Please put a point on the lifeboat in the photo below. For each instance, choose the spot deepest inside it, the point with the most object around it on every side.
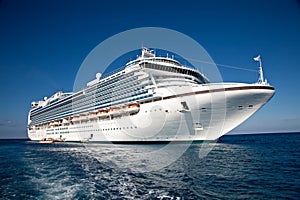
(132, 108)
(115, 111)
(83, 116)
(76, 118)
(47, 140)
(102, 113)
(92, 115)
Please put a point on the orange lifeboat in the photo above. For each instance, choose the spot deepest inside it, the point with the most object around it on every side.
(92, 115)
(47, 140)
(132, 107)
(102, 113)
(114, 111)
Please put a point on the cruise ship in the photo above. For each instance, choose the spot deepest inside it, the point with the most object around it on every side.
(149, 99)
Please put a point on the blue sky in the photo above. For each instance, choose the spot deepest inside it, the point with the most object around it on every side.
(43, 43)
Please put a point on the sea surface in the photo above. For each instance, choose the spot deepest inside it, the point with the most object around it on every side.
(258, 166)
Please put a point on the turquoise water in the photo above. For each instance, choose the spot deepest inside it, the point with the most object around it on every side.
(238, 167)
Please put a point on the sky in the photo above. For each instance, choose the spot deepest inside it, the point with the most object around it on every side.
(43, 44)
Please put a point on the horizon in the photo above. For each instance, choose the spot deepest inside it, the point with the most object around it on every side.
(44, 43)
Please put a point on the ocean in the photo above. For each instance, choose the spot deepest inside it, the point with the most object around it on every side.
(257, 166)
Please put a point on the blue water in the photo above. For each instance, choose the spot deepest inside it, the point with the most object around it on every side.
(238, 167)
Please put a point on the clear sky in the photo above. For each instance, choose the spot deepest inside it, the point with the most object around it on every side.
(43, 43)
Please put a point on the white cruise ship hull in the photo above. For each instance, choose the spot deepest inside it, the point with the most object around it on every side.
(185, 113)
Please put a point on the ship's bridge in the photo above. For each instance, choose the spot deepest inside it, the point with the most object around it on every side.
(149, 60)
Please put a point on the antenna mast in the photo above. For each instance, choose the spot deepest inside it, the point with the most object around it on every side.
(261, 79)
